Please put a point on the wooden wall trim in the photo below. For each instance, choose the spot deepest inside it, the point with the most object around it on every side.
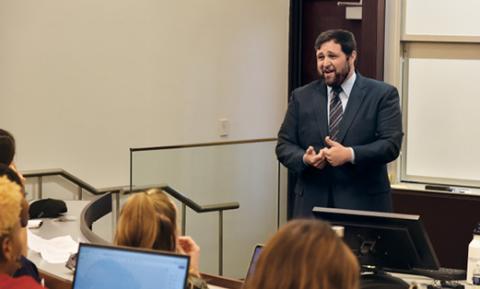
(449, 220)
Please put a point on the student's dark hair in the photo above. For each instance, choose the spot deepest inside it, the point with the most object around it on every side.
(343, 37)
(10, 174)
(7, 147)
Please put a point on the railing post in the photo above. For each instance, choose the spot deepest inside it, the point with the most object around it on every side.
(115, 209)
(80, 193)
(220, 242)
(40, 187)
(184, 218)
(278, 194)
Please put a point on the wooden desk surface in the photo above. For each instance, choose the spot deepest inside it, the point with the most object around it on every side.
(57, 276)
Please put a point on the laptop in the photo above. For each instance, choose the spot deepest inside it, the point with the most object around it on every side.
(253, 262)
(108, 267)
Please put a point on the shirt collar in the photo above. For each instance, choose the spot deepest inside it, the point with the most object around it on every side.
(347, 85)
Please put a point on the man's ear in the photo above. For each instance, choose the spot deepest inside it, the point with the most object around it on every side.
(353, 56)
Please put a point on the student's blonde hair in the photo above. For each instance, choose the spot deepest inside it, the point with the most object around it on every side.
(10, 200)
(306, 254)
(148, 220)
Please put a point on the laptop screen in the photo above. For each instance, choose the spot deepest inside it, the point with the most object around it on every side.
(253, 262)
(106, 267)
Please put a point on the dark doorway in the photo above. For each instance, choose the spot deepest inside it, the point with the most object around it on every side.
(311, 17)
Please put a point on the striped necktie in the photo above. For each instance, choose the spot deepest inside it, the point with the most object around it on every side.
(336, 112)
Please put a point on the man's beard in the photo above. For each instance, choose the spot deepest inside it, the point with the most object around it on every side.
(339, 76)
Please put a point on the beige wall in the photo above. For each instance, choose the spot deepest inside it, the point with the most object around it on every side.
(83, 81)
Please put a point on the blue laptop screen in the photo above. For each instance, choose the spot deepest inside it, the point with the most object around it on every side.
(103, 267)
(253, 263)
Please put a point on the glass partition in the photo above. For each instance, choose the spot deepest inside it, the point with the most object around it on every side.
(246, 172)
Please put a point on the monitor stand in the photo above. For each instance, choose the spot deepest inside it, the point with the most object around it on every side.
(381, 280)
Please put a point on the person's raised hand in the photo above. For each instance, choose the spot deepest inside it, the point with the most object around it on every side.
(187, 246)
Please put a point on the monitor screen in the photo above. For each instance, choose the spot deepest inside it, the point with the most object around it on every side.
(107, 267)
(383, 240)
(253, 262)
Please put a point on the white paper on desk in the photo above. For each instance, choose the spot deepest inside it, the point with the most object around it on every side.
(56, 250)
(34, 224)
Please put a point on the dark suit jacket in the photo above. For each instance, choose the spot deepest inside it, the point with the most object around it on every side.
(371, 125)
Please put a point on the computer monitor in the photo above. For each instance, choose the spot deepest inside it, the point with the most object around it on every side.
(107, 267)
(384, 241)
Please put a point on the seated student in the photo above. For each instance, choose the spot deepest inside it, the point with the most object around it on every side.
(7, 147)
(7, 167)
(7, 153)
(27, 267)
(305, 254)
(10, 243)
(149, 220)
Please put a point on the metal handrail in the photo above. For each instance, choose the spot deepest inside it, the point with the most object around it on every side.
(126, 189)
(82, 185)
(86, 225)
(208, 144)
(187, 202)
(196, 207)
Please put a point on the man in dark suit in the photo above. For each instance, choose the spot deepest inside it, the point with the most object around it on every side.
(340, 132)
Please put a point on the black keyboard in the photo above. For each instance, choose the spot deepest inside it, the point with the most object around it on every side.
(442, 274)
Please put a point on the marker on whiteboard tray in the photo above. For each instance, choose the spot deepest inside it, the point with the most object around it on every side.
(446, 189)
(438, 188)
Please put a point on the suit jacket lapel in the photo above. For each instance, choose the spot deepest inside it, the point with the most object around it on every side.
(354, 102)
(320, 103)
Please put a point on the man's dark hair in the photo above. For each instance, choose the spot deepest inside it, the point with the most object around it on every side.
(343, 37)
(7, 147)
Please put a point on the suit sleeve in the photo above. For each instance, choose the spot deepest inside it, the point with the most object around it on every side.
(288, 150)
(388, 136)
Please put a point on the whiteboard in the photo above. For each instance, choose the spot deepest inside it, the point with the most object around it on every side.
(442, 17)
(443, 121)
